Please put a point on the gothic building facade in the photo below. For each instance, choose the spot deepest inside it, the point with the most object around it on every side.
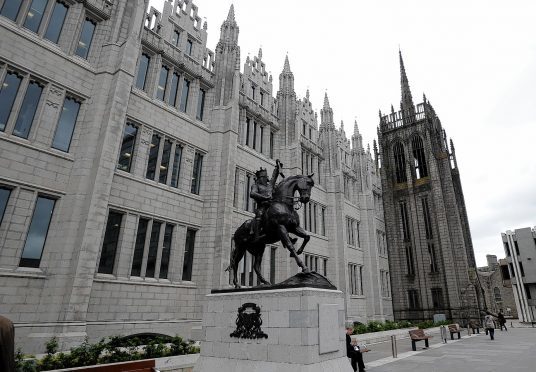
(127, 152)
(431, 258)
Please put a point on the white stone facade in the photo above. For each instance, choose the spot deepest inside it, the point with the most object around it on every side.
(112, 258)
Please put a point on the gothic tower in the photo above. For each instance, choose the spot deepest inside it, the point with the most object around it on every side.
(431, 256)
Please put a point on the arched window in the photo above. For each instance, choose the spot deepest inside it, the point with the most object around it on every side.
(400, 163)
(497, 294)
(418, 157)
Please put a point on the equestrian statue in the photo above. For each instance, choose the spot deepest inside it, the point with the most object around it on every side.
(275, 218)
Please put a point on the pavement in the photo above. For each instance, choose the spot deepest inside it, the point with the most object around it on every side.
(510, 351)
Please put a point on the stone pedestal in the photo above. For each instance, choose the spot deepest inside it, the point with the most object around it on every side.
(305, 329)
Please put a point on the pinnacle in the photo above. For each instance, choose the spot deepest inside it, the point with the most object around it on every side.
(230, 16)
(407, 100)
(326, 101)
(286, 67)
(260, 53)
(356, 129)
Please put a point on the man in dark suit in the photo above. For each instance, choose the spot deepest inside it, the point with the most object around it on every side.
(353, 351)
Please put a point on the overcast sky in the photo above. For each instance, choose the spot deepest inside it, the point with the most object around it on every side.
(474, 59)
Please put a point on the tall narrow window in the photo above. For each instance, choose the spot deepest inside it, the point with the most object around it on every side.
(262, 98)
(262, 141)
(127, 147)
(413, 297)
(172, 100)
(405, 221)
(184, 95)
(189, 47)
(8, 93)
(35, 15)
(201, 104)
(176, 166)
(28, 109)
(497, 294)
(254, 142)
(175, 38)
(37, 233)
(437, 298)
(55, 24)
(10, 9)
(410, 268)
(248, 125)
(153, 157)
(142, 71)
(164, 164)
(246, 192)
(110, 243)
(86, 36)
(427, 221)
(4, 197)
(400, 163)
(153, 249)
(188, 255)
(418, 157)
(323, 217)
(166, 252)
(66, 123)
(433, 258)
(196, 179)
(521, 268)
(271, 145)
(139, 247)
(162, 82)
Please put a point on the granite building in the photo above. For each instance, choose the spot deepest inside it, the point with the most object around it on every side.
(497, 286)
(519, 246)
(431, 258)
(127, 152)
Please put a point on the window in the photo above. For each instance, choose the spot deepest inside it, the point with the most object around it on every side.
(427, 221)
(248, 201)
(262, 140)
(172, 99)
(316, 263)
(418, 158)
(200, 104)
(400, 163)
(254, 142)
(145, 228)
(352, 232)
(433, 258)
(110, 243)
(196, 179)
(139, 247)
(323, 217)
(175, 39)
(189, 47)
(66, 123)
(437, 298)
(184, 95)
(8, 93)
(55, 24)
(410, 268)
(153, 249)
(162, 82)
(35, 15)
(521, 269)
(506, 249)
(188, 255)
(86, 36)
(248, 124)
(405, 221)
(153, 156)
(271, 145)
(164, 163)
(413, 297)
(497, 294)
(512, 272)
(504, 272)
(143, 67)
(527, 291)
(262, 98)
(516, 247)
(4, 197)
(127, 147)
(176, 166)
(236, 183)
(28, 109)
(355, 283)
(10, 9)
(37, 233)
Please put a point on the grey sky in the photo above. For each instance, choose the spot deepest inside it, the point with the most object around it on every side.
(475, 60)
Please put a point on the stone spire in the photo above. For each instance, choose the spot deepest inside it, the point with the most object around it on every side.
(326, 101)
(260, 53)
(286, 78)
(286, 66)
(227, 66)
(230, 16)
(357, 139)
(407, 99)
(356, 128)
(326, 115)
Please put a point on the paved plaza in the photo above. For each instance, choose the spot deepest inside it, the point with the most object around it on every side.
(510, 351)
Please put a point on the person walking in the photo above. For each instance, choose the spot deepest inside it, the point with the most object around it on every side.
(489, 323)
(353, 351)
(7, 345)
(502, 320)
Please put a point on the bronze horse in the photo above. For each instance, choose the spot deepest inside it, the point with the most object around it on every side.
(279, 220)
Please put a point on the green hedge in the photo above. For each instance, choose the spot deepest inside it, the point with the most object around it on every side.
(375, 326)
(116, 349)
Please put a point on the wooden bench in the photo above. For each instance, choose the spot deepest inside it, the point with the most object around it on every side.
(454, 328)
(418, 335)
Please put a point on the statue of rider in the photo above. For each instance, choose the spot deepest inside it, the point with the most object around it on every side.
(261, 191)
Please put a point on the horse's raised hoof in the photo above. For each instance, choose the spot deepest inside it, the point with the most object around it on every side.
(306, 270)
(293, 241)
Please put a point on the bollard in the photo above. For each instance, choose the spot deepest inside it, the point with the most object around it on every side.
(393, 346)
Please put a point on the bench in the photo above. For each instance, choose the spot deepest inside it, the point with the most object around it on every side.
(418, 335)
(454, 328)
